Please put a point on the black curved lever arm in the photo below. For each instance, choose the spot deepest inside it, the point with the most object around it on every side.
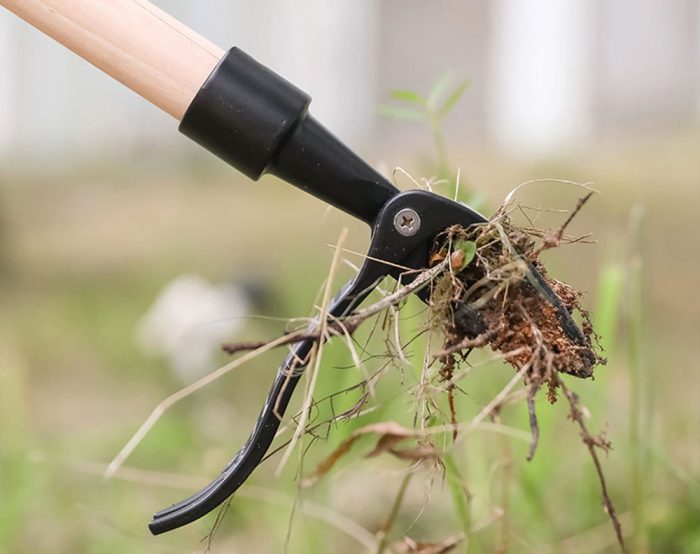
(257, 445)
(390, 253)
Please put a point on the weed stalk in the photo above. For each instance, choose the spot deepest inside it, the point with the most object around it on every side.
(639, 385)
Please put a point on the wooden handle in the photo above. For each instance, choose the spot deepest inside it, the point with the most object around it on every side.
(133, 41)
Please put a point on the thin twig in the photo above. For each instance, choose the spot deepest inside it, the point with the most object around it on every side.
(554, 240)
(592, 443)
(383, 533)
(464, 344)
(534, 427)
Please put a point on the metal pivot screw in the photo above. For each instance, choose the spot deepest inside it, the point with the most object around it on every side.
(407, 222)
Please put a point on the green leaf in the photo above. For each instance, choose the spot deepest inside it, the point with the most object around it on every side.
(477, 201)
(438, 91)
(453, 98)
(611, 283)
(458, 491)
(397, 112)
(468, 247)
(408, 96)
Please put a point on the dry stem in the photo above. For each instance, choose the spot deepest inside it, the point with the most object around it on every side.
(316, 353)
(593, 442)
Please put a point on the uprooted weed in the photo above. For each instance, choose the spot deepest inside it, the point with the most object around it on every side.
(498, 293)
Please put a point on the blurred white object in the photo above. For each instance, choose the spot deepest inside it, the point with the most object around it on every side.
(189, 321)
(540, 75)
(8, 83)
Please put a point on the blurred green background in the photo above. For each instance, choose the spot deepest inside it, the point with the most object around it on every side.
(89, 238)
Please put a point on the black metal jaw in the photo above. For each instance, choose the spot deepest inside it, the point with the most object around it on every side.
(402, 235)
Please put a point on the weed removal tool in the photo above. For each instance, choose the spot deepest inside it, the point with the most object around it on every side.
(259, 123)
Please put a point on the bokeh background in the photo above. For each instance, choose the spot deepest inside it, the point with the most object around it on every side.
(103, 205)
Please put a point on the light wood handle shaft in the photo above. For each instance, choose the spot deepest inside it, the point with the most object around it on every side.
(133, 41)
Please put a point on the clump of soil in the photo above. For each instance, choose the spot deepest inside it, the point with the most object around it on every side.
(505, 298)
